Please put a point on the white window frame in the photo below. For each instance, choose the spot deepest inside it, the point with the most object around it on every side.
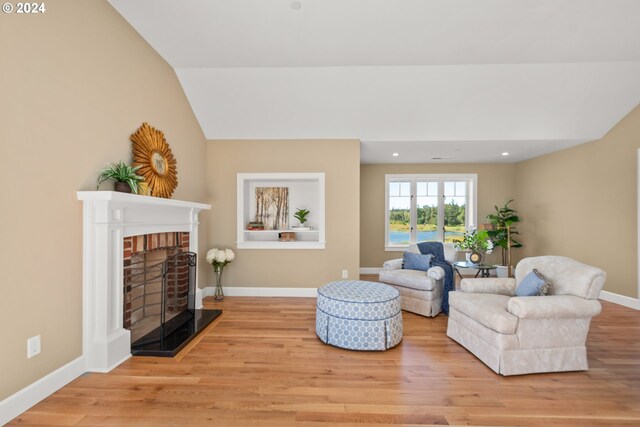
(471, 204)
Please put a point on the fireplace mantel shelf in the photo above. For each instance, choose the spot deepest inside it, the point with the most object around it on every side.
(116, 196)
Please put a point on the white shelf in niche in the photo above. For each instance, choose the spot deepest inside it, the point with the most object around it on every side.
(280, 231)
(306, 190)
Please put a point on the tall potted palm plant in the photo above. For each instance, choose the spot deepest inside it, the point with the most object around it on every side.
(502, 230)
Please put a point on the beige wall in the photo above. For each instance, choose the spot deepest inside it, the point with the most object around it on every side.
(495, 186)
(339, 160)
(581, 202)
(74, 84)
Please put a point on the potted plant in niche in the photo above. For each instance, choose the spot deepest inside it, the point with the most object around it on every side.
(501, 229)
(301, 216)
(125, 176)
(477, 243)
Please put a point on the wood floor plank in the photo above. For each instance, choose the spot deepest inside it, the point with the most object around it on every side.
(261, 364)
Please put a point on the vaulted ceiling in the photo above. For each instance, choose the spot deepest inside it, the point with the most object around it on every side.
(433, 80)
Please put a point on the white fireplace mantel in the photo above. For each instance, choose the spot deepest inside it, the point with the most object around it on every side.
(108, 218)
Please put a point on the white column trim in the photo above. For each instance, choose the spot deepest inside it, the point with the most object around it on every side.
(638, 221)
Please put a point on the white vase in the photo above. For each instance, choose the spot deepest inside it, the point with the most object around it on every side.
(218, 295)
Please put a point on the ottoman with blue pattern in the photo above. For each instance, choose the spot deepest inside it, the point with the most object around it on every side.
(359, 315)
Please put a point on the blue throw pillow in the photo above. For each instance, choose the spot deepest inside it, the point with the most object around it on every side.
(533, 284)
(411, 261)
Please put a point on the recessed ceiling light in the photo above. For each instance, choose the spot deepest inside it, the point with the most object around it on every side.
(296, 5)
(395, 154)
(505, 154)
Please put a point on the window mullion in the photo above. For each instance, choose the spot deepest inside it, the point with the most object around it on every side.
(469, 209)
(440, 210)
(414, 212)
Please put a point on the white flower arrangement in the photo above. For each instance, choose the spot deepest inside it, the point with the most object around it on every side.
(490, 246)
(218, 258)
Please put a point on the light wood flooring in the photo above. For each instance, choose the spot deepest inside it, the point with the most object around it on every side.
(261, 364)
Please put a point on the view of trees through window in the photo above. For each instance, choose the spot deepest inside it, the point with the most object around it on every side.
(429, 226)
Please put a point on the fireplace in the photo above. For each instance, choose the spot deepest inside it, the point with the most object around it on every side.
(111, 219)
(152, 293)
(159, 294)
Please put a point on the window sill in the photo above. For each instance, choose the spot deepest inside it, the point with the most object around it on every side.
(396, 248)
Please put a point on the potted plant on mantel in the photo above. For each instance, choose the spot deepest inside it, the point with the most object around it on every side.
(501, 229)
(301, 216)
(125, 176)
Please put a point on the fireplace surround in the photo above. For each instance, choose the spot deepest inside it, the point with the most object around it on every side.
(108, 218)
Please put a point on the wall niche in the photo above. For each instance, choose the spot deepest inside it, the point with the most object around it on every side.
(267, 203)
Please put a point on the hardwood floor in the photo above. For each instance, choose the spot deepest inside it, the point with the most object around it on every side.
(261, 364)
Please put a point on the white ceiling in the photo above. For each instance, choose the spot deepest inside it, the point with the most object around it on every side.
(462, 80)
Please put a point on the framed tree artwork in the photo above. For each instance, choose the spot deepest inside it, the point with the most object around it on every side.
(272, 207)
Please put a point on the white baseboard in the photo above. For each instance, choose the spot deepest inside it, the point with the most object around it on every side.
(620, 300)
(24, 399)
(262, 292)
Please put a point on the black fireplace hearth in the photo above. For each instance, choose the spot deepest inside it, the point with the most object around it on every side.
(167, 341)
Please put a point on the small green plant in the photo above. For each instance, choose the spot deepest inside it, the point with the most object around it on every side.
(301, 215)
(121, 172)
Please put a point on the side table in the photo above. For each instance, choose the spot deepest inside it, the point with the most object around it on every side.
(483, 269)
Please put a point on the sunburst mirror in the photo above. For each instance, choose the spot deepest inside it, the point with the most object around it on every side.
(157, 164)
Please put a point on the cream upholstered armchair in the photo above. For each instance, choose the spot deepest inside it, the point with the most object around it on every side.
(516, 335)
(421, 292)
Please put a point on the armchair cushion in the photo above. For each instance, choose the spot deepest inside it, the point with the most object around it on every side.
(534, 283)
(487, 309)
(414, 279)
(501, 286)
(557, 307)
(413, 261)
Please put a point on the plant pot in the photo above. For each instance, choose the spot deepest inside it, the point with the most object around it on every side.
(122, 187)
(502, 271)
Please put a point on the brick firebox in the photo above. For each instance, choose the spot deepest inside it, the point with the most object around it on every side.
(142, 291)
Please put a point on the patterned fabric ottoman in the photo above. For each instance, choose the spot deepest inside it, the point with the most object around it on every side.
(359, 315)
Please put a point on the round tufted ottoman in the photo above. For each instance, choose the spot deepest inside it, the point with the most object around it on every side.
(359, 315)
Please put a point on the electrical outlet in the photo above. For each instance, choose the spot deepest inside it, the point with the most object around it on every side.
(33, 346)
(345, 274)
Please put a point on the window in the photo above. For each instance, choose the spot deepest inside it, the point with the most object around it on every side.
(428, 208)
